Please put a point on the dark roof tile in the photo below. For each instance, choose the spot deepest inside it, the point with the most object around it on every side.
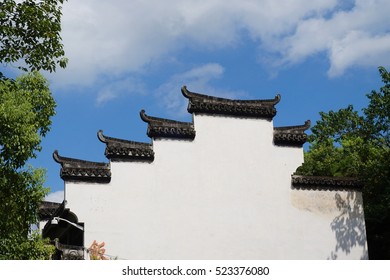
(47, 209)
(291, 135)
(82, 170)
(200, 103)
(119, 149)
(325, 183)
(164, 128)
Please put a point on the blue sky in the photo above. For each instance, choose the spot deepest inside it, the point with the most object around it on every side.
(125, 56)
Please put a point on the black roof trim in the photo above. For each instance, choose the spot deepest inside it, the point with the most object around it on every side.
(58, 212)
(291, 135)
(62, 229)
(325, 183)
(164, 128)
(120, 149)
(82, 170)
(201, 103)
(47, 209)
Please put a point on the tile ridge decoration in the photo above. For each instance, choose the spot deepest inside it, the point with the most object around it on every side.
(294, 136)
(165, 128)
(201, 103)
(47, 209)
(123, 150)
(325, 182)
(82, 170)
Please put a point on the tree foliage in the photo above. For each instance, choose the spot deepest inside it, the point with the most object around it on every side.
(346, 143)
(30, 34)
(29, 39)
(31, 248)
(26, 106)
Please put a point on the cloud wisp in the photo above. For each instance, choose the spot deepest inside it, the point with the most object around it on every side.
(57, 196)
(118, 88)
(199, 78)
(111, 38)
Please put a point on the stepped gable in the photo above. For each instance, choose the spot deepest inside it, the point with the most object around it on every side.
(200, 103)
(82, 170)
(291, 135)
(119, 149)
(164, 128)
(325, 183)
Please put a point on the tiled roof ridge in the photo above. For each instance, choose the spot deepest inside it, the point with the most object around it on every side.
(166, 128)
(291, 135)
(125, 149)
(47, 209)
(83, 170)
(303, 127)
(325, 182)
(76, 162)
(108, 139)
(201, 103)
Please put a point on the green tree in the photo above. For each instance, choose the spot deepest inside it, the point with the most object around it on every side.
(346, 143)
(30, 34)
(26, 106)
(29, 40)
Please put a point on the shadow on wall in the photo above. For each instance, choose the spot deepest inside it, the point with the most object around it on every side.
(349, 226)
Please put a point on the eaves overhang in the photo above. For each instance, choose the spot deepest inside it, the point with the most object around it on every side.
(325, 183)
(63, 229)
(165, 128)
(205, 104)
(81, 170)
(47, 209)
(120, 149)
(291, 135)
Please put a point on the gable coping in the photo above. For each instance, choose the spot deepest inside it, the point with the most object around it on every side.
(165, 128)
(82, 170)
(325, 183)
(120, 149)
(201, 103)
(291, 135)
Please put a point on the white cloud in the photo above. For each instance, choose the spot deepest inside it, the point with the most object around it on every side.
(198, 78)
(360, 49)
(119, 88)
(349, 37)
(112, 37)
(57, 196)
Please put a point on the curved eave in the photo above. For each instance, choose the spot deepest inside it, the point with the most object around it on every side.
(201, 103)
(165, 128)
(81, 170)
(47, 209)
(294, 136)
(325, 183)
(120, 149)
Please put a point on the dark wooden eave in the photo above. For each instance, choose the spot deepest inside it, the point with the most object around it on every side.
(63, 231)
(291, 135)
(201, 103)
(119, 149)
(164, 128)
(58, 212)
(82, 170)
(47, 209)
(325, 183)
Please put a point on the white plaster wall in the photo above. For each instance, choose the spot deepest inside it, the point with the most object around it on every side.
(225, 195)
